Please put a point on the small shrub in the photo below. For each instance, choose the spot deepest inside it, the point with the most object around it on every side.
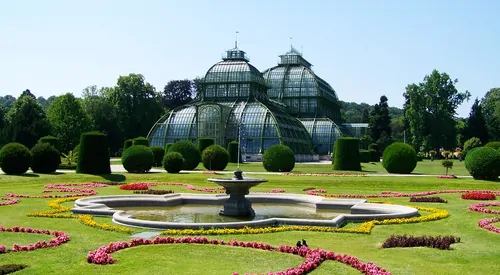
(15, 158)
(203, 143)
(438, 242)
(448, 164)
(428, 199)
(45, 158)
(483, 163)
(138, 159)
(158, 153)
(189, 152)
(127, 144)
(399, 158)
(478, 196)
(364, 156)
(493, 144)
(232, 150)
(471, 143)
(346, 154)
(50, 140)
(93, 154)
(173, 162)
(134, 186)
(167, 146)
(11, 268)
(278, 158)
(215, 157)
(154, 192)
(374, 155)
(140, 141)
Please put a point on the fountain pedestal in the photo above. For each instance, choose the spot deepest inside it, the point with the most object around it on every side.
(237, 205)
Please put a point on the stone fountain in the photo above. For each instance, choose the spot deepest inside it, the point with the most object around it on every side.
(237, 205)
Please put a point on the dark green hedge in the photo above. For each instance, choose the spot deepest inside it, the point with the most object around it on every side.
(173, 162)
(204, 143)
(278, 158)
(365, 156)
(11, 268)
(346, 154)
(140, 141)
(189, 152)
(232, 150)
(52, 141)
(483, 163)
(15, 158)
(158, 153)
(45, 158)
(93, 156)
(138, 159)
(128, 143)
(167, 146)
(373, 146)
(399, 158)
(493, 144)
(374, 155)
(215, 158)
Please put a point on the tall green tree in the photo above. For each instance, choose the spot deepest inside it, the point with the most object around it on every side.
(366, 116)
(476, 125)
(490, 108)
(27, 120)
(380, 123)
(138, 106)
(430, 109)
(178, 92)
(68, 120)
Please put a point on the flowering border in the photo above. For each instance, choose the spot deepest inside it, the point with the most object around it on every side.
(8, 201)
(487, 224)
(323, 174)
(390, 194)
(60, 238)
(479, 207)
(313, 257)
(64, 188)
(446, 177)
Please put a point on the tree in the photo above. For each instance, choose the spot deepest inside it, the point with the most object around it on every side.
(68, 120)
(380, 123)
(178, 92)
(7, 101)
(137, 105)
(27, 121)
(366, 116)
(490, 108)
(476, 125)
(45, 102)
(430, 108)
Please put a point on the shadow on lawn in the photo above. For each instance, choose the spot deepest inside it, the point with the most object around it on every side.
(114, 177)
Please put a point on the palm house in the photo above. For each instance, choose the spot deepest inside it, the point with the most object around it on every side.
(307, 97)
(234, 106)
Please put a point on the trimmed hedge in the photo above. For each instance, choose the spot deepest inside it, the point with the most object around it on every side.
(189, 152)
(15, 158)
(173, 162)
(232, 150)
(365, 156)
(140, 141)
(399, 158)
(158, 153)
(138, 159)
(203, 143)
(50, 140)
(167, 146)
(93, 155)
(215, 157)
(483, 163)
(127, 144)
(493, 144)
(278, 158)
(45, 158)
(470, 144)
(346, 154)
(11, 268)
(374, 155)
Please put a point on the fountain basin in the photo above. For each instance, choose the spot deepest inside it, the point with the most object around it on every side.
(359, 209)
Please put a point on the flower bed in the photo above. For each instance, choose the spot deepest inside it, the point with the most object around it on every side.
(134, 186)
(389, 194)
(154, 192)
(479, 196)
(60, 238)
(428, 199)
(8, 201)
(480, 207)
(488, 224)
(314, 257)
(447, 177)
(64, 187)
(323, 174)
(411, 241)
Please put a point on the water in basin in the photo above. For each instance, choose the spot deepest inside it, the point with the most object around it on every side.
(198, 213)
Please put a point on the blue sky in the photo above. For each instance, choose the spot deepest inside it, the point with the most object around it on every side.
(362, 48)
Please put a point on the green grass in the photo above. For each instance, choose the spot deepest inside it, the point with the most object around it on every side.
(476, 254)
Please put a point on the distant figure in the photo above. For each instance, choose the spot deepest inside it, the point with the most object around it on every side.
(298, 244)
(304, 243)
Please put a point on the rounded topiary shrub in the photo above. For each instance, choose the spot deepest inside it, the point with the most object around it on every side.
(483, 163)
(127, 144)
(93, 154)
(15, 158)
(374, 155)
(45, 158)
(140, 141)
(167, 146)
(158, 153)
(215, 157)
(189, 152)
(399, 158)
(137, 159)
(232, 150)
(493, 144)
(204, 143)
(470, 144)
(278, 158)
(173, 162)
(346, 154)
(50, 140)
(365, 156)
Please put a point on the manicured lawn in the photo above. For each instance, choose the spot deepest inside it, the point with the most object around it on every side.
(476, 254)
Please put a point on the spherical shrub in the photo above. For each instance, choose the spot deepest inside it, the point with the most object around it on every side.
(278, 158)
(45, 158)
(189, 152)
(15, 158)
(399, 158)
(158, 153)
(140, 141)
(232, 150)
(50, 140)
(215, 157)
(203, 143)
(483, 163)
(138, 159)
(93, 154)
(471, 143)
(493, 144)
(173, 162)
(167, 146)
(364, 155)
(346, 154)
(127, 144)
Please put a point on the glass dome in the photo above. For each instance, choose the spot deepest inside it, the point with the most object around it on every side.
(324, 132)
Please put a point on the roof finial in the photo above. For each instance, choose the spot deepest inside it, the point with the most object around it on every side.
(291, 47)
(236, 41)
